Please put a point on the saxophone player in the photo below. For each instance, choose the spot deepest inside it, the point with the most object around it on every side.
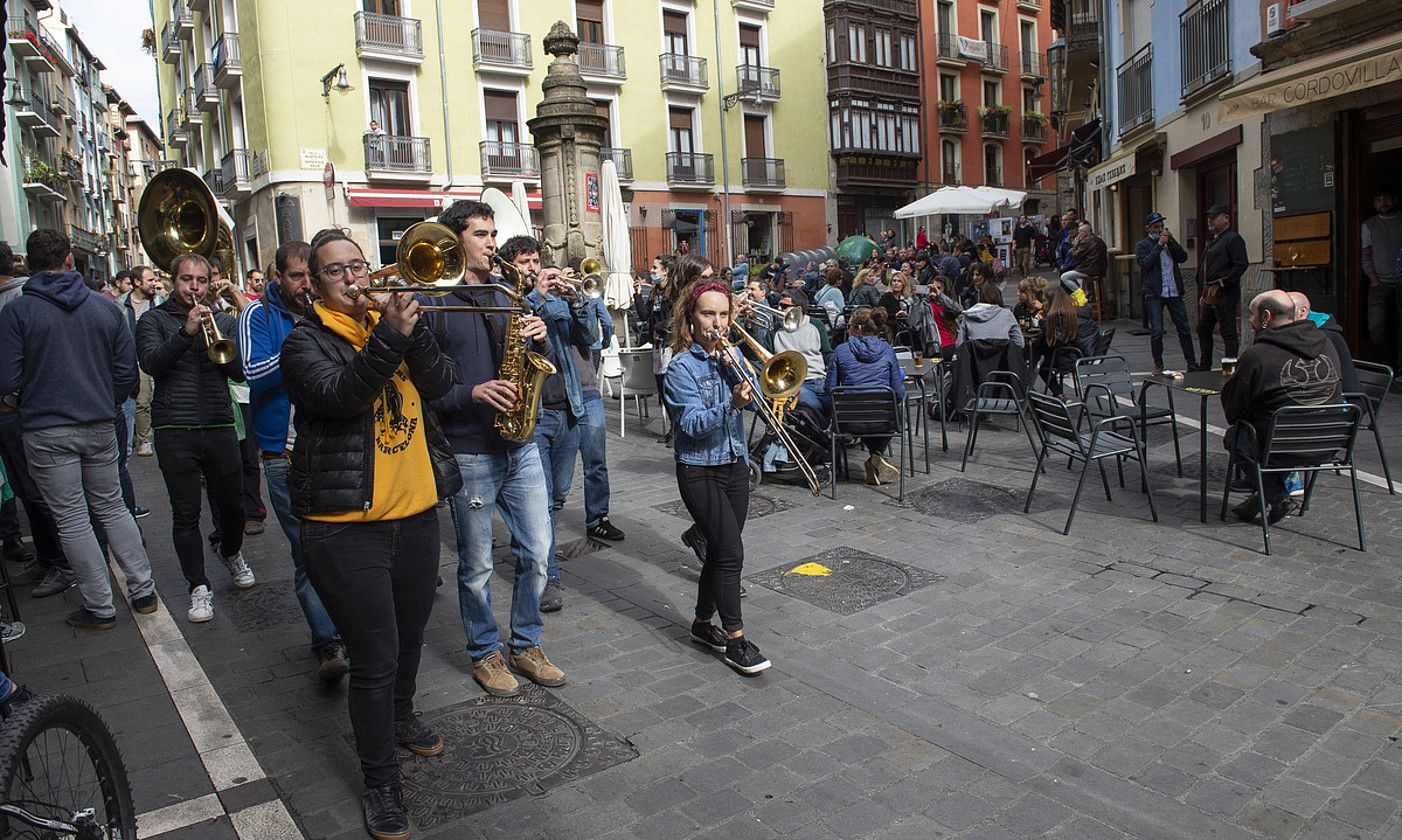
(497, 474)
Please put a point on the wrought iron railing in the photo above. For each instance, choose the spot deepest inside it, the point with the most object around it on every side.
(389, 34)
(602, 60)
(236, 170)
(226, 55)
(622, 161)
(751, 79)
(1204, 37)
(680, 69)
(762, 172)
(510, 159)
(501, 49)
(1136, 88)
(690, 168)
(396, 153)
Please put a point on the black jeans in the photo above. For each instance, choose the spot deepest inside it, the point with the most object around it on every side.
(1225, 315)
(718, 499)
(252, 467)
(1273, 483)
(185, 455)
(376, 580)
(47, 548)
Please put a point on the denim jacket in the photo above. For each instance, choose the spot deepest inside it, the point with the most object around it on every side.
(568, 326)
(707, 429)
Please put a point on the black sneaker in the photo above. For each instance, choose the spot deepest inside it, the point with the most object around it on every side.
(742, 655)
(333, 664)
(413, 735)
(82, 619)
(1249, 510)
(604, 530)
(708, 635)
(385, 817)
(17, 698)
(17, 552)
(1286, 507)
(145, 605)
(140, 512)
(693, 539)
(553, 598)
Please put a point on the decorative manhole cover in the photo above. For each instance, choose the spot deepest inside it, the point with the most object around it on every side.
(264, 607)
(759, 506)
(964, 500)
(845, 580)
(497, 749)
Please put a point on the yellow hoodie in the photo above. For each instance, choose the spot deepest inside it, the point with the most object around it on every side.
(403, 469)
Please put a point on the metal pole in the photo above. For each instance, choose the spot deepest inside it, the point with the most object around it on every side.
(724, 145)
(443, 85)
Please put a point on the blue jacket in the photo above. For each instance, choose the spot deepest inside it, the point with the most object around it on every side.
(707, 429)
(67, 350)
(263, 326)
(569, 328)
(600, 323)
(865, 360)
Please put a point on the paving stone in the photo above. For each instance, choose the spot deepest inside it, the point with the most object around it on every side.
(1311, 718)
(1363, 809)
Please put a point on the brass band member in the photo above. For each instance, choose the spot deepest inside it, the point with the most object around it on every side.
(368, 471)
(704, 397)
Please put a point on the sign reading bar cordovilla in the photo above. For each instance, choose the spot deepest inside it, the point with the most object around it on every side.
(1373, 64)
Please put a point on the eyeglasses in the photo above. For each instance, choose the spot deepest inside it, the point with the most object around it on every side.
(336, 271)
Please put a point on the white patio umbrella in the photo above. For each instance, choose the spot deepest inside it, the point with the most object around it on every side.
(1012, 198)
(618, 247)
(949, 200)
(518, 197)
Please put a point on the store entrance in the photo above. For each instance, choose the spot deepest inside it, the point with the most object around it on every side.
(1378, 169)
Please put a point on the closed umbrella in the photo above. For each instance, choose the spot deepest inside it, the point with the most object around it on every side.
(618, 247)
(518, 197)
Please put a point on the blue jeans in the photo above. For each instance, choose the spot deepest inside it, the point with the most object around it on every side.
(557, 440)
(515, 482)
(591, 450)
(129, 412)
(1153, 313)
(814, 394)
(324, 633)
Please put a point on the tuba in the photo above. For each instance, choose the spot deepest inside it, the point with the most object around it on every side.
(178, 214)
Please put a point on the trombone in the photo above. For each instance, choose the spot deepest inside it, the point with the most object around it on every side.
(429, 261)
(779, 378)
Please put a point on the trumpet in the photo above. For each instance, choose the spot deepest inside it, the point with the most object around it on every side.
(789, 321)
(220, 349)
(588, 286)
(429, 261)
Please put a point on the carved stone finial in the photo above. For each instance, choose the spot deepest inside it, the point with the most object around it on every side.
(561, 41)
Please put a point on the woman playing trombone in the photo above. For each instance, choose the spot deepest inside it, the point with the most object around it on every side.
(704, 396)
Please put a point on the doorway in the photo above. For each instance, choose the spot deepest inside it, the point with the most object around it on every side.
(1216, 185)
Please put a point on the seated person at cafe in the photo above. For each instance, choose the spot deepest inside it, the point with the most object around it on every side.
(1291, 362)
(935, 319)
(867, 359)
(989, 319)
(1031, 300)
(1069, 332)
(811, 340)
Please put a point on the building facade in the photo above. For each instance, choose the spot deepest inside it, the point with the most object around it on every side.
(421, 104)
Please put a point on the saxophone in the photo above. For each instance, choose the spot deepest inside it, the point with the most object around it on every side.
(520, 366)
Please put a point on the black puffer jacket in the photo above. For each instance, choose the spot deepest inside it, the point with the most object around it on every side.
(190, 389)
(333, 389)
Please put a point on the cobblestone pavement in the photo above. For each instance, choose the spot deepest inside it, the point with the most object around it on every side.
(965, 672)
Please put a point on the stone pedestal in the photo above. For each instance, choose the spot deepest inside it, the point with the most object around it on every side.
(569, 135)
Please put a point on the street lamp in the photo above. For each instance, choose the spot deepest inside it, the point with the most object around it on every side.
(335, 76)
(1056, 66)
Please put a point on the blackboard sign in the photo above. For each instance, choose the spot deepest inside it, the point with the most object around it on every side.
(1302, 171)
(288, 209)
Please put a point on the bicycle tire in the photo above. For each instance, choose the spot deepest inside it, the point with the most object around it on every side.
(51, 716)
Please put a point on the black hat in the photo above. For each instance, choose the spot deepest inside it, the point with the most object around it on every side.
(1218, 210)
(1153, 218)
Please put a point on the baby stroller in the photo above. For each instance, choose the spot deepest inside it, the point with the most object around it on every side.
(1044, 252)
(768, 459)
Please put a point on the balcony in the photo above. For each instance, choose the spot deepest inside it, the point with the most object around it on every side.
(622, 161)
(1135, 83)
(602, 62)
(389, 38)
(947, 50)
(170, 44)
(85, 240)
(995, 57)
(236, 173)
(228, 65)
(71, 167)
(759, 174)
(395, 156)
(214, 179)
(23, 38)
(1083, 30)
(206, 94)
(1034, 129)
(1203, 31)
(175, 136)
(994, 122)
(1033, 6)
(183, 18)
(496, 50)
(190, 116)
(954, 119)
(753, 5)
(1033, 65)
(757, 83)
(42, 179)
(690, 169)
(151, 167)
(684, 73)
(508, 160)
(36, 115)
(861, 168)
(199, 5)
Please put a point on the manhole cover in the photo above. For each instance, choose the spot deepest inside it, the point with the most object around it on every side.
(577, 548)
(265, 607)
(845, 580)
(1161, 463)
(759, 506)
(963, 500)
(497, 749)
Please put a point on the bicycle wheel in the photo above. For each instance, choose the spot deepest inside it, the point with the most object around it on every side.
(57, 758)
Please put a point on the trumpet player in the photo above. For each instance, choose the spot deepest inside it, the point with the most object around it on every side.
(182, 346)
(497, 474)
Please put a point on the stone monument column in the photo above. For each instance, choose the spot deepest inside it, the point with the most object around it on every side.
(569, 135)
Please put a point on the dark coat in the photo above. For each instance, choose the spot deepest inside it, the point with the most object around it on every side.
(1225, 260)
(1146, 253)
(1293, 364)
(333, 389)
(190, 388)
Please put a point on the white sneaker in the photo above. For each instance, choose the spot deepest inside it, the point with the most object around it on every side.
(239, 570)
(146, 450)
(201, 605)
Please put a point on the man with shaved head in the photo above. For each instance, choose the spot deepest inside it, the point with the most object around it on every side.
(1291, 362)
(1329, 325)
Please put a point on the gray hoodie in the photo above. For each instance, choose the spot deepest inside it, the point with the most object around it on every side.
(988, 321)
(11, 289)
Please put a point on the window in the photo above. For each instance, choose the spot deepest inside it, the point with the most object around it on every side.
(1029, 102)
(1029, 36)
(875, 126)
(680, 134)
(500, 110)
(908, 57)
(755, 146)
(881, 48)
(993, 164)
(674, 33)
(491, 14)
(857, 43)
(949, 87)
(589, 20)
(389, 106)
(944, 17)
(949, 162)
(602, 109)
(990, 94)
(382, 7)
(988, 27)
(832, 45)
(749, 45)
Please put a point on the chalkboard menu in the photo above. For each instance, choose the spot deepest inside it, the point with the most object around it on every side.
(1302, 170)
(288, 210)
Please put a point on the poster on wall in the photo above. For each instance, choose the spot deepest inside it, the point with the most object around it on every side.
(1001, 228)
(591, 192)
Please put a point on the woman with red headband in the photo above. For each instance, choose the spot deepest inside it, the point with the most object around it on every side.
(705, 397)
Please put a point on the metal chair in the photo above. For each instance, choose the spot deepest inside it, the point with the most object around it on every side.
(1375, 380)
(1060, 430)
(1107, 390)
(637, 382)
(866, 411)
(1000, 395)
(1301, 438)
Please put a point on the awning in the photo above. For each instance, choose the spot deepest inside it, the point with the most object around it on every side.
(1373, 63)
(1048, 164)
(369, 197)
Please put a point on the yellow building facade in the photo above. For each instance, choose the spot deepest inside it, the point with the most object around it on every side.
(372, 115)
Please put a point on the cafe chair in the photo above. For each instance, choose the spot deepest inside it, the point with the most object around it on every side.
(867, 411)
(1107, 390)
(1308, 439)
(1375, 381)
(1060, 426)
(1000, 395)
(636, 382)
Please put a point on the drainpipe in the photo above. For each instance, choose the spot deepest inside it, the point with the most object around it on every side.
(443, 86)
(724, 146)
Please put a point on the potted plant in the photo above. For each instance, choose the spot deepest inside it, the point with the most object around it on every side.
(952, 112)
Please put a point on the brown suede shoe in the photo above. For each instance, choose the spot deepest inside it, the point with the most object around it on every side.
(537, 668)
(492, 674)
